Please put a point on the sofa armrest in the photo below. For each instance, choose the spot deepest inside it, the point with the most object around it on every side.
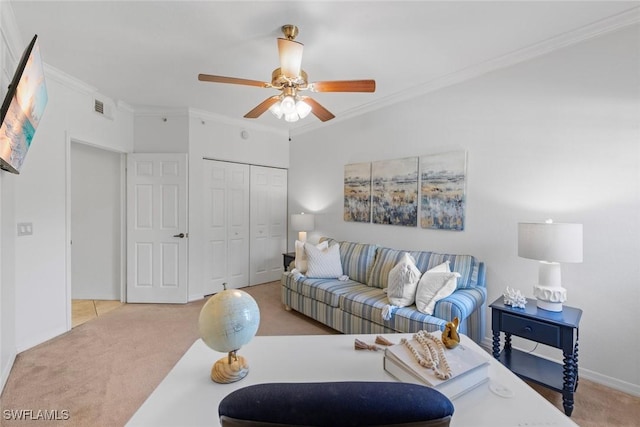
(468, 305)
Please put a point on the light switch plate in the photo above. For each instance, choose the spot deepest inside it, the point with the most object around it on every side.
(25, 228)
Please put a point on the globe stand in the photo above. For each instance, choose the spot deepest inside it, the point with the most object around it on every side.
(229, 369)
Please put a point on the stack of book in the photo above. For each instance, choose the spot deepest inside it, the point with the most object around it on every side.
(469, 368)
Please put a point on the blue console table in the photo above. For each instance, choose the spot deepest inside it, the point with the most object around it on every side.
(556, 329)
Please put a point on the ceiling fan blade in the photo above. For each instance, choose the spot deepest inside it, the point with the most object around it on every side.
(262, 107)
(290, 52)
(318, 110)
(344, 86)
(232, 80)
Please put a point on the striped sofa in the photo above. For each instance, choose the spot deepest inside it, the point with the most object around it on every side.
(355, 306)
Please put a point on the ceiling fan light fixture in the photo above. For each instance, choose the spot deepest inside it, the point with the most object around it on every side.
(292, 117)
(288, 105)
(290, 79)
(303, 109)
(276, 110)
(290, 57)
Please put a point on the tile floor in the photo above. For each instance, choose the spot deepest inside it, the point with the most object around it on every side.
(83, 310)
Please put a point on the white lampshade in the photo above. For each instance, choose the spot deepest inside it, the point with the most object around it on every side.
(550, 241)
(290, 57)
(302, 222)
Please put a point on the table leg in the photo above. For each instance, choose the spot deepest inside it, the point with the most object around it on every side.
(570, 374)
(496, 344)
(507, 342)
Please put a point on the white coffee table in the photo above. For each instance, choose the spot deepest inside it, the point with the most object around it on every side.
(188, 397)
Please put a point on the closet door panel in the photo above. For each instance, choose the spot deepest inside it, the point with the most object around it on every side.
(226, 213)
(268, 223)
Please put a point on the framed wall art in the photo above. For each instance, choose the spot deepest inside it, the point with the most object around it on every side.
(357, 192)
(442, 190)
(394, 189)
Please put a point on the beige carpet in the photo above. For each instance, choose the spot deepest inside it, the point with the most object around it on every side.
(103, 370)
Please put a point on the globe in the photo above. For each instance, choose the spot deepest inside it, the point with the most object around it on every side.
(229, 320)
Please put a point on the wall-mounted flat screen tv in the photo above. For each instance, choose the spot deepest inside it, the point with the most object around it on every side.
(22, 109)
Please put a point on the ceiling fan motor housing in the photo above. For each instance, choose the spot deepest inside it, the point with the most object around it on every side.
(279, 80)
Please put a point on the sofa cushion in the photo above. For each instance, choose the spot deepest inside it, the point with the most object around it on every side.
(369, 302)
(387, 258)
(327, 291)
(357, 258)
(466, 265)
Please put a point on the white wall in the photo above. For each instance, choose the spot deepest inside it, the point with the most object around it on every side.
(42, 259)
(161, 131)
(96, 223)
(7, 277)
(212, 139)
(9, 54)
(557, 137)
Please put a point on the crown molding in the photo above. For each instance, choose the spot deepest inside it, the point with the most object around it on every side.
(151, 111)
(67, 80)
(596, 29)
(240, 123)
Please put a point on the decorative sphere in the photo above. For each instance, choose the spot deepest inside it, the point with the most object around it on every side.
(229, 320)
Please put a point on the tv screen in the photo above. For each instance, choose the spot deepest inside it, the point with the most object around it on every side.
(22, 108)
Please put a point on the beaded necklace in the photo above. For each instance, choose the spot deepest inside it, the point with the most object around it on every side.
(434, 351)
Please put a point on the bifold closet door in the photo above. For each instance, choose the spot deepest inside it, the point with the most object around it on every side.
(226, 228)
(268, 223)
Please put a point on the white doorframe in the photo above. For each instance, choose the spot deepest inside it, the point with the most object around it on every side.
(123, 222)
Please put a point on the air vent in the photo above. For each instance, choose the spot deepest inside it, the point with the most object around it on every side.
(99, 107)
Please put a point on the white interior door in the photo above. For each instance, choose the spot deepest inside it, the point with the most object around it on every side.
(226, 212)
(157, 228)
(268, 223)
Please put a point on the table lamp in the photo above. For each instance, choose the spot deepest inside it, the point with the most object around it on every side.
(550, 243)
(302, 223)
(227, 321)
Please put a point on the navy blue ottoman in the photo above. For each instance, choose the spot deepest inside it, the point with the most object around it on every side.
(335, 404)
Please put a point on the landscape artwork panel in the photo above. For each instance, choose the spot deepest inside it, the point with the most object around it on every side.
(442, 190)
(357, 192)
(395, 192)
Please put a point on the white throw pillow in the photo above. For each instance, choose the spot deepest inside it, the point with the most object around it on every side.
(440, 268)
(403, 281)
(323, 263)
(434, 286)
(301, 255)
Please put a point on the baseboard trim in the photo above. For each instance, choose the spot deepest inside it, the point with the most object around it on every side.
(6, 370)
(607, 381)
(193, 298)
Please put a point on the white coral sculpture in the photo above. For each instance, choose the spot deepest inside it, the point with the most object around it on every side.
(514, 298)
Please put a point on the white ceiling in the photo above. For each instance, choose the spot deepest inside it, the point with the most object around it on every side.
(149, 53)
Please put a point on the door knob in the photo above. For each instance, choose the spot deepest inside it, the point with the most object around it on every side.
(181, 235)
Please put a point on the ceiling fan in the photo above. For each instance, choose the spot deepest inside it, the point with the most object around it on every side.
(290, 79)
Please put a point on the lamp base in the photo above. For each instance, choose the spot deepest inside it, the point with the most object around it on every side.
(550, 297)
(229, 369)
